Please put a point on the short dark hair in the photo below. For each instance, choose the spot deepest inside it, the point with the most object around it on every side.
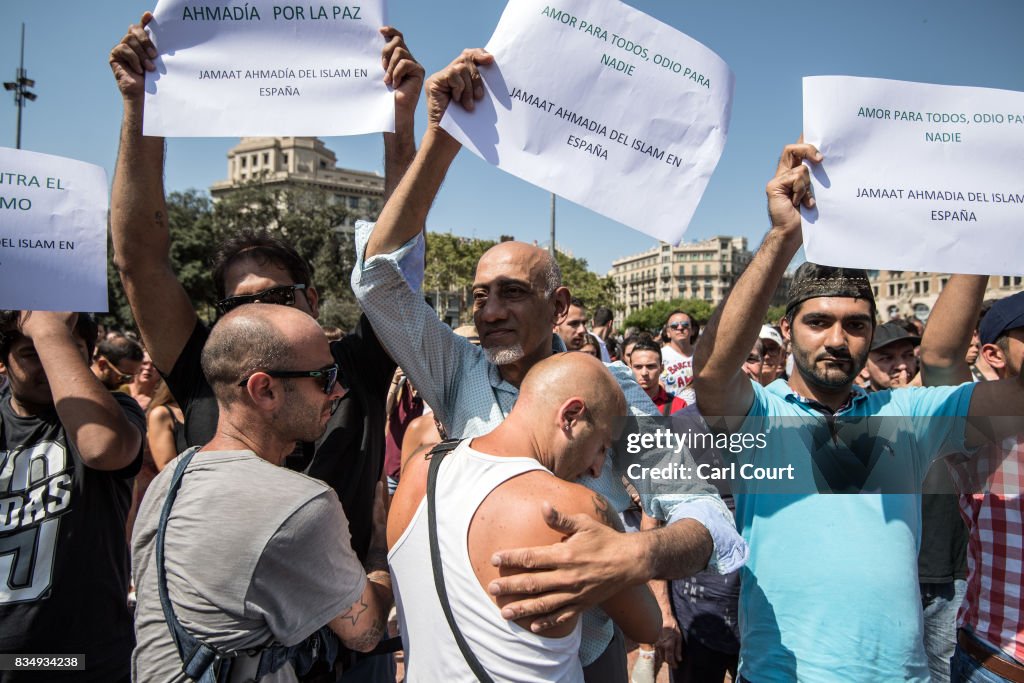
(602, 316)
(85, 328)
(577, 302)
(263, 248)
(119, 348)
(644, 345)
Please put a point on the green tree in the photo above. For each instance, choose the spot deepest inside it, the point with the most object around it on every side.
(774, 314)
(653, 317)
(307, 218)
(593, 289)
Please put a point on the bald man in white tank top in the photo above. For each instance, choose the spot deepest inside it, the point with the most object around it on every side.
(491, 495)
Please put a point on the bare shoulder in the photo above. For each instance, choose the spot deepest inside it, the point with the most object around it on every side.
(584, 501)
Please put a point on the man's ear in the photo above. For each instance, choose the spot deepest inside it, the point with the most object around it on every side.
(561, 298)
(263, 391)
(787, 331)
(993, 355)
(313, 298)
(570, 412)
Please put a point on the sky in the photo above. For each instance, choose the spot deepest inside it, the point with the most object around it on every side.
(769, 46)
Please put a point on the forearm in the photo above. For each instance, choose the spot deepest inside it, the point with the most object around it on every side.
(94, 422)
(399, 151)
(950, 327)
(138, 212)
(405, 214)
(716, 360)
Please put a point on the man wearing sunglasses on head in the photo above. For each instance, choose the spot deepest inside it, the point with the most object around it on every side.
(255, 268)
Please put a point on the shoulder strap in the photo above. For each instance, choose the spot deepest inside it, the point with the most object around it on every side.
(199, 661)
(436, 455)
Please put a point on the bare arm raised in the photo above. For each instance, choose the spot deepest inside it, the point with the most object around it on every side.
(405, 213)
(948, 334)
(721, 387)
(138, 212)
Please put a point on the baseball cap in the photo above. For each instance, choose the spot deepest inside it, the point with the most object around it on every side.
(1005, 314)
(768, 332)
(892, 332)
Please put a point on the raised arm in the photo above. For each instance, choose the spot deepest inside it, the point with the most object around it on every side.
(138, 213)
(94, 421)
(405, 213)
(721, 387)
(950, 327)
(405, 75)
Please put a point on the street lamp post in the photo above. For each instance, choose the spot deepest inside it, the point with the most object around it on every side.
(20, 85)
(552, 246)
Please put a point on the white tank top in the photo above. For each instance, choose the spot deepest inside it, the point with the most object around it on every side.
(507, 651)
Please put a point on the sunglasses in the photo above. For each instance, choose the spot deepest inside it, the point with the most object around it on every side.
(680, 326)
(283, 295)
(122, 377)
(329, 376)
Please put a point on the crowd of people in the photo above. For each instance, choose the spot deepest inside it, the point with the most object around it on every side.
(284, 491)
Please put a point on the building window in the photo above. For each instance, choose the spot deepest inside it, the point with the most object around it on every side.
(707, 269)
(244, 159)
(892, 290)
(266, 158)
(925, 286)
(942, 283)
(284, 158)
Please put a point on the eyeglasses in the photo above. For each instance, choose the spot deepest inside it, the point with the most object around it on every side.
(329, 375)
(122, 376)
(679, 326)
(283, 295)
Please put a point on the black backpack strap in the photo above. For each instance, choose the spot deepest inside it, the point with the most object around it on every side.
(436, 455)
(198, 660)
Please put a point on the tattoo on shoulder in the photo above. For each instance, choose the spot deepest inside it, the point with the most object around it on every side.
(355, 611)
(605, 512)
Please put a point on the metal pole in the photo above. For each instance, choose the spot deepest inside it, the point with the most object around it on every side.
(18, 98)
(552, 247)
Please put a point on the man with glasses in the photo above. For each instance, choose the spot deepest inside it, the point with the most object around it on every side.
(677, 355)
(254, 553)
(116, 361)
(255, 268)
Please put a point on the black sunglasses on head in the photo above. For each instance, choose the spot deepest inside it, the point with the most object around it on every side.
(283, 295)
(329, 375)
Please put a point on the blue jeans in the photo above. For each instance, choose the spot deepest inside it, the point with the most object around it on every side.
(940, 602)
(966, 669)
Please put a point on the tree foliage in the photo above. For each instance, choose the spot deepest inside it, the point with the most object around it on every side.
(654, 316)
(306, 218)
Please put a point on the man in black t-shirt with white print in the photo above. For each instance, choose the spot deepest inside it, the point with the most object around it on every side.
(68, 451)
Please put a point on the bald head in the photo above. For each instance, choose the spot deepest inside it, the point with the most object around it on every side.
(553, 381)
(526, 261)
(254, 337)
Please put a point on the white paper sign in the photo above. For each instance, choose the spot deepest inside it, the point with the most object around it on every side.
(916, 176)
(229, 68)
(53, 233)
(605, 106)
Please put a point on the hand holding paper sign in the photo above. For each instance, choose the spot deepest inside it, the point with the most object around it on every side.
(791, 188)
(132, 58)
(459, 81)
(402, 72)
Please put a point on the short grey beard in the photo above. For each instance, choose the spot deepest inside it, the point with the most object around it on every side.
(503, 355)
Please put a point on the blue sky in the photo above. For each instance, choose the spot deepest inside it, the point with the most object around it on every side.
(769, 46)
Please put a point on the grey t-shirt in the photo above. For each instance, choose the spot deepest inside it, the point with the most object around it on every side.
(254, 554)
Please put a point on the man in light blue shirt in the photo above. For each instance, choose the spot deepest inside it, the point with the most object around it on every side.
(830, 589)
(518, 298)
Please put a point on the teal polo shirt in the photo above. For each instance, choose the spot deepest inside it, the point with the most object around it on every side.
(830, 591)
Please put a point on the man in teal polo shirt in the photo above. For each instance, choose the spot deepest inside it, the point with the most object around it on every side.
(830, 588)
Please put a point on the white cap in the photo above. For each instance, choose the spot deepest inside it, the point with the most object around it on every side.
(768, 332)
